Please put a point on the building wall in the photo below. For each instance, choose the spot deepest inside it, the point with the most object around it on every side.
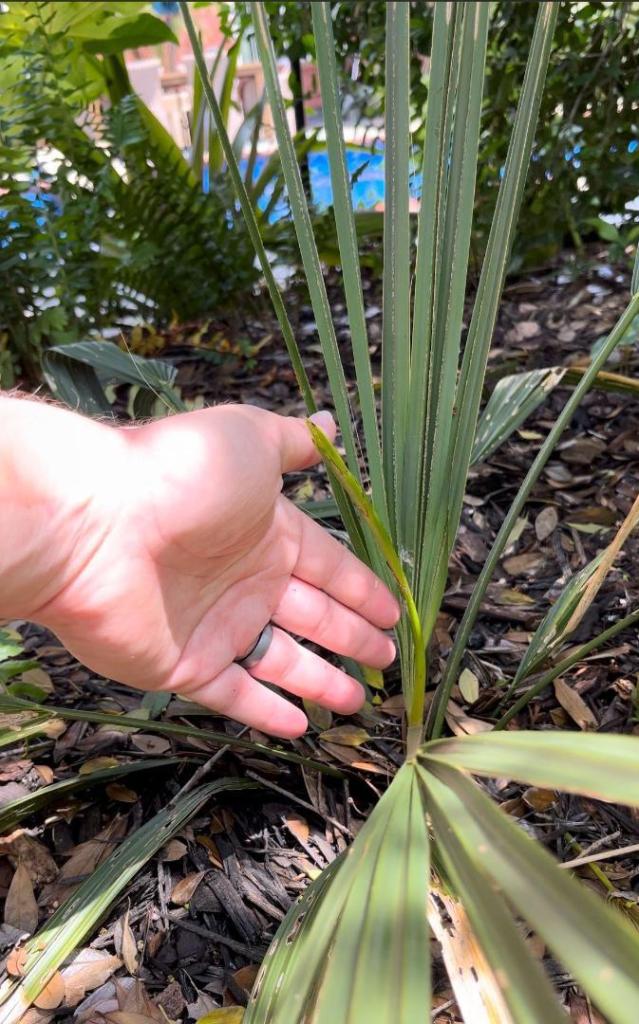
(163, 77)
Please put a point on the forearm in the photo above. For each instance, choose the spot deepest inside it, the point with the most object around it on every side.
(50, 460)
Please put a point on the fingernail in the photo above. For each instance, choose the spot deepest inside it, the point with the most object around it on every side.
(323, 420)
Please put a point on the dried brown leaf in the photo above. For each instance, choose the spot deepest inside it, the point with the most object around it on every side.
(129, 946)
(121, 794)
(591, 588)
(574, 705)
(245, 977)
(511, 596)
(463, 724)
(32, 854)
(175, 849)
(52, 994)
(298, 827)
(213, 852)
(523, 330)
(539, 799)
(89, 969)
(524, 565)
(45, 773)
(318, 716)
(17, 962)
(129, 1017)
(20, 907)
(150, 744)
(546, 522)
(348, 756)
(394, 705)
(84, 860)
(36, 1016)
(38, 677)
(183, 891)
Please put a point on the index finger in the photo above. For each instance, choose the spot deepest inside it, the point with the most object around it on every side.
(331, 567)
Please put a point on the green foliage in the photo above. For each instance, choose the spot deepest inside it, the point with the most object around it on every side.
(581, 164)
(356, 947)
(80, 372)
(103, 216)
(65, 930)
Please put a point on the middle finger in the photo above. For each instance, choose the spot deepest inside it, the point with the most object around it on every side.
(311, 613)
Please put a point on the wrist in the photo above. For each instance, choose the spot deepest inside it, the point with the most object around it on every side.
(52, 468)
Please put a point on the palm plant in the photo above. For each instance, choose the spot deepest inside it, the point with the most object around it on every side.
(356, 947)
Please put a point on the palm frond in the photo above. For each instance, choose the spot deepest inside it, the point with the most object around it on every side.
(45, 952)
(362, 924)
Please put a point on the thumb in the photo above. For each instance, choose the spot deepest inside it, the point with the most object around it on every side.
(297, 450)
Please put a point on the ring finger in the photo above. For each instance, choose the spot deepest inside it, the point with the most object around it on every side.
(293, 668)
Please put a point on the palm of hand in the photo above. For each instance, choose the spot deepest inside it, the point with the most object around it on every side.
(198, 551)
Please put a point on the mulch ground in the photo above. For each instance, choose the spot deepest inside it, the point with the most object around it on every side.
(190, 931)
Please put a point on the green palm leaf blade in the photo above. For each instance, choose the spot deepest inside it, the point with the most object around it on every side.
(264, 1005)
(415, 682)
(551, 631)
(396, 277)
(248, 211)
(15, 705)
(597, 945)
(336, 373)
(435, 466)
(306, 240)
(577, 654)
(513, 399)
(39, 726)
(497, 254)
(472, 609)
(430, 227)
(348, 246)
(15, 811)
(602, 766)
(199, 113)
(73, 920)
(356, 950)
(523, 985)
(634, 284)
(216, 153)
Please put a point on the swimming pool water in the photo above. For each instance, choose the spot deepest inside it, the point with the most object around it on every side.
(365, 168)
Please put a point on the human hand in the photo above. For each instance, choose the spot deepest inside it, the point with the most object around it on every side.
(180, 548)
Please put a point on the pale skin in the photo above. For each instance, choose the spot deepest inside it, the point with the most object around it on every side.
(158, 553)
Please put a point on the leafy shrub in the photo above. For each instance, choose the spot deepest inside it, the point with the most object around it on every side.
(585, 153)
(102, 214)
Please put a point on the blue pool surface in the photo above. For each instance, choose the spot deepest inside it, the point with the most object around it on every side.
(365, 168)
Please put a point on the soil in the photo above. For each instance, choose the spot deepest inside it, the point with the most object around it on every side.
(190, 930)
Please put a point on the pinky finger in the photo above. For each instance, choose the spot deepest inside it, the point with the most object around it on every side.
(236, 694)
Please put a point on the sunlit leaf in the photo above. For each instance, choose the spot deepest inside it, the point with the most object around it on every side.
(594, 941)
(516, 976)
(602, 766)
(512, 401)
(355, 948)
